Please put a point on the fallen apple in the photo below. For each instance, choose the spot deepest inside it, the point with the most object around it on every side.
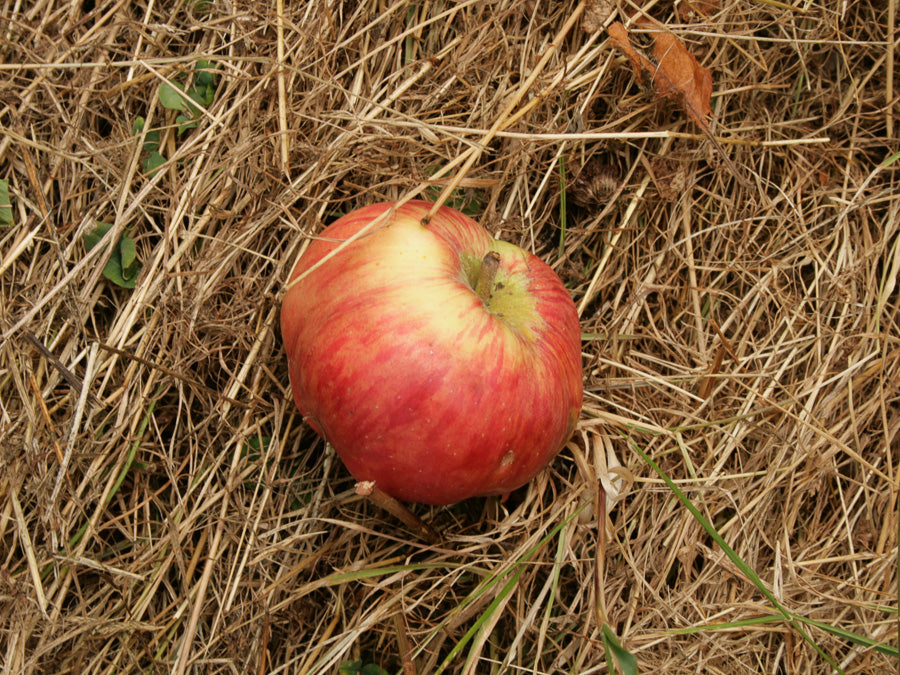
(439, 362)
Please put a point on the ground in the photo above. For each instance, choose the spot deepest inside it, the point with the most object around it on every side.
(164, 507)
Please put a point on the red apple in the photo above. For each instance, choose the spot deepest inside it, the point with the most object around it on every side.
(432, 370)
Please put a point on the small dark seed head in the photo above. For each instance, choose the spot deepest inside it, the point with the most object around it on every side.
(595, 184)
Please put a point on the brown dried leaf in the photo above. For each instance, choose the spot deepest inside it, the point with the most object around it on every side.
(595, 15)
(619, 36)
(670, 176)
(680, 75)
(676, 73)
(703, 8)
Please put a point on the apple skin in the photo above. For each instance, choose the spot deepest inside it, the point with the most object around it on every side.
(416, 383)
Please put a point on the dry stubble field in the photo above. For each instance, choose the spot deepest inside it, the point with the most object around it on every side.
(163, 508)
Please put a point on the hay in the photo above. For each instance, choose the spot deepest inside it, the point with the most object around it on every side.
(165, 509)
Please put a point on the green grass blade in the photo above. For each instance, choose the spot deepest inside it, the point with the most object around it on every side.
(748, 571)
(515, 571)
(615, 651)
(6, 215)
(476, 627)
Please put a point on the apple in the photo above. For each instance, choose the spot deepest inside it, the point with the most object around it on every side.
(439, 362)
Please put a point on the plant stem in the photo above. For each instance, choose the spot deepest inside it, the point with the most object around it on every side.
(398, 510)
(485, 284)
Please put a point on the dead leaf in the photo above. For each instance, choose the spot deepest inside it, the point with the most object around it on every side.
(619, 36)
(670, 176)
(676, 73)
(595, 15)
(680, 75)
(703, 8)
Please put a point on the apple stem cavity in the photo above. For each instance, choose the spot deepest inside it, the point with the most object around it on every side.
(395, 508)
(484, 287)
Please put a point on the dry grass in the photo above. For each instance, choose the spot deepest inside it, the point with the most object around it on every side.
(165, 509)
